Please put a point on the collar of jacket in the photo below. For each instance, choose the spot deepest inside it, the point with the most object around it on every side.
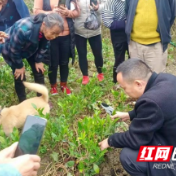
(151, 80)
(35, 33)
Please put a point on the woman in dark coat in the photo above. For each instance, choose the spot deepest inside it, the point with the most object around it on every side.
(28, 38)
(12, 11)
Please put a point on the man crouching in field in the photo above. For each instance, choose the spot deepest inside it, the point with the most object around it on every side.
(153, 120)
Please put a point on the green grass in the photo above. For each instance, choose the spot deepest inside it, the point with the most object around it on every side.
(76, 123)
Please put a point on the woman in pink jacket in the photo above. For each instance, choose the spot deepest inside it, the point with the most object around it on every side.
(63, 47)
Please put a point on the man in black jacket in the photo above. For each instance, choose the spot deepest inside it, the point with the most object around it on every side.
(148, 30)
(153, 120)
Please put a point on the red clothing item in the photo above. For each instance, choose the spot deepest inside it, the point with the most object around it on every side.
(40, 36)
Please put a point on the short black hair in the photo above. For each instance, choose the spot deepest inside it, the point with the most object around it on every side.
(133, 69)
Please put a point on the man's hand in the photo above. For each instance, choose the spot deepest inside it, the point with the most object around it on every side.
(19, 72)
(124, 116)
(95, 7)
(27, 165)
(104, 144)
(8, 153)
(39, 67)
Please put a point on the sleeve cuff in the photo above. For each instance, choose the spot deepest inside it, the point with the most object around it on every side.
(8, 170)
(17, 65)
(110, 141)
(118, 25)
(38, 61)
(132, 114)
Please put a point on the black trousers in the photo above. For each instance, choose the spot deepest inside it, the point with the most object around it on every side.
(60, 53)
(128, 160)
(120, 47)
(19, 87)
(96, 46)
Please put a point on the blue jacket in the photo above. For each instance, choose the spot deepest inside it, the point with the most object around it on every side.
(8, 170)
(166, 10)
(23, 43)
(22, 8)
(13, 11)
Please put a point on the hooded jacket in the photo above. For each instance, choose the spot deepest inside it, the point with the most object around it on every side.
(23, 42)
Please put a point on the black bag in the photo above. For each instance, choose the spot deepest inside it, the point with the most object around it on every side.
(92, 22)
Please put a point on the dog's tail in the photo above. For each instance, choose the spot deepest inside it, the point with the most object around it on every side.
(38, 88)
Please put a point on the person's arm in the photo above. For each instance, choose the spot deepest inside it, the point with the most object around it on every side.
(118, 24)
(74, 11)
(132, 114)
(8, 170)
(108, 13)
(127, 2)
(101, 5)
(38, 7)
(22, 8)
(108, 16)
(149, 118)
(173, 11)
(17, 41)
(42, 50)
(21, 165)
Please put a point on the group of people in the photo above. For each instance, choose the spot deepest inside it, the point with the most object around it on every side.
(64, 27)
(131, 29)
(141, 28)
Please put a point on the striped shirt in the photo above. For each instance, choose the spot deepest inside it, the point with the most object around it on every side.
(113, 10)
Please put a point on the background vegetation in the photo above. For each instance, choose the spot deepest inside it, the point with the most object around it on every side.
(76, 123)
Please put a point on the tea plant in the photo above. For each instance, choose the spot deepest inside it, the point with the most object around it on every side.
(75, 125)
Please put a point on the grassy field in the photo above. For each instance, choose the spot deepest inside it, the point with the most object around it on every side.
(76, 123)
